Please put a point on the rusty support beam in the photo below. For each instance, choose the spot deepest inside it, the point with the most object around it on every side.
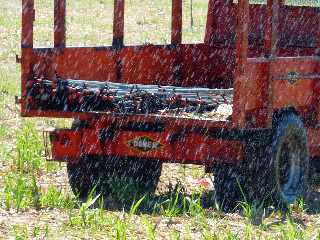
(28, 15)
(118, 24)
(270, 44)
(238, 116)
(242, 35)
(271, 28)
(318, 38)
(318, 41)
(59, 23)
(176, 28)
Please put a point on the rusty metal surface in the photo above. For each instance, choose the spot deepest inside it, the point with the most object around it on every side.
(268, 54)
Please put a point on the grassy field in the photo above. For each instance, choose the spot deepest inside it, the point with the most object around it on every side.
(35, 199)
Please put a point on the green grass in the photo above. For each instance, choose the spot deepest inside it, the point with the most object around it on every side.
(29, 149)
(35, 200)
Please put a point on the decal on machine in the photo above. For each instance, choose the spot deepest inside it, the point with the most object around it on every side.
(144, 144)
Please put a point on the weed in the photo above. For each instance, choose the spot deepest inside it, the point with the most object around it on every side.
(253, 212)
(121, 223)
(177, 203)
(229, 235)
(23, 232)
(292, 231)
(3, 131)
(17, 191)
(36, 193)
(36, 231)
(207, 235)
(55, 198)
(135, 206)
(21, 191)
(175, 235)
(20, 232)
(218, 212)
(170, 207)
(86, 217)
(120, 226)
(248, 231)
(46, 231)
(29, 148)
(150, 228)
(195, 205)
(83, 211)
(300, 205)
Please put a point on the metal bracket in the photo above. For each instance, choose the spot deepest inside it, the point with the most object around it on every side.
(46, 134)
(18, 59)
(17, 100)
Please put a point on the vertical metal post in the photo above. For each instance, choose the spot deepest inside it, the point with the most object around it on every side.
(241, 60)
(59, 23)
(118, 24)
(28, 16)
(176, 39)
(242, 35)
(270, 46)
(176, 28)
(210, 25)
(318, 38)
(271, 28)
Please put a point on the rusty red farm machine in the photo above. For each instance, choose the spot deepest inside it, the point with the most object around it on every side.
(136, 107)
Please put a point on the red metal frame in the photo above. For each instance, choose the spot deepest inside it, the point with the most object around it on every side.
(267, 53)
(60, 24)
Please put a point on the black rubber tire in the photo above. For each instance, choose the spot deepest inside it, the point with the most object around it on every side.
(227, 179)
(276, 172)
(315, 165)
(100, 173)
(83, 176)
